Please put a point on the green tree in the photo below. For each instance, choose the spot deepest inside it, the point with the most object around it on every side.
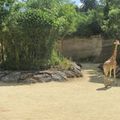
(32, 33)
(5, 9)
(88, 5)
(89, 18)
(111, 23)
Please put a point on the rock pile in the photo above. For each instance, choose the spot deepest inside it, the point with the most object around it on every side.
(41, 76)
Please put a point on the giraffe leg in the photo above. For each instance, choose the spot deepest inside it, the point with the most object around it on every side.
(114, 73)
(106, 72)
(115, 77)
(110, 73)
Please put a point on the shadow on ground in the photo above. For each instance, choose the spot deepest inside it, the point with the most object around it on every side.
(103, 88)
(13, 84)
(96, 76)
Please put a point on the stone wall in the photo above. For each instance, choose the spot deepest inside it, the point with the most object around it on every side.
(82, 48)
(107, 50)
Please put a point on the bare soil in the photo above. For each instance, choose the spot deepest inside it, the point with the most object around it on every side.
(77, 99)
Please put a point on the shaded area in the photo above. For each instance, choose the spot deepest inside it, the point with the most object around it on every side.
(103, 88)
(96, 76)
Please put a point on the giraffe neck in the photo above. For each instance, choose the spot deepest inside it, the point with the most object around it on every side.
(115, 52)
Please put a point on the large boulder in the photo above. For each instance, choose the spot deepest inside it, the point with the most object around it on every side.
(76, 70)
(42, 77)
(59, 76)
(11, 77)
(69, 73)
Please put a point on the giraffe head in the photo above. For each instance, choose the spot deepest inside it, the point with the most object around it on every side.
(117, 42)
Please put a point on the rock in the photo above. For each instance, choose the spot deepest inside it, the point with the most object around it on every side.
(42, 77)
(79, 65)
(76, 70)
(26, 75)
(69, 74)
(75, 66)
(3, 73)
(59, 76)
(11, 77)
(49, 72)
(29, 81)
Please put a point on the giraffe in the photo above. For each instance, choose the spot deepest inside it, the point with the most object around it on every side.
(111, 64)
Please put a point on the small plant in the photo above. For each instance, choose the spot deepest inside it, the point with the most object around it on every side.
(65, 64)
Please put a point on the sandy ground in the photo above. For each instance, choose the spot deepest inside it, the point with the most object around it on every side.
(77, 99)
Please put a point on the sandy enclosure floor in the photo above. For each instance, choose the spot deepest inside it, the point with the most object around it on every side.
(77, 99)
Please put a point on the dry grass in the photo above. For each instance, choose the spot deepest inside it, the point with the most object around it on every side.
(77, 99)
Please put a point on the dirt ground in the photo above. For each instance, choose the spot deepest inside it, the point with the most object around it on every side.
(78, 99)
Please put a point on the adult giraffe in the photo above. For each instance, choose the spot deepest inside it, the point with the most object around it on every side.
(111, 64)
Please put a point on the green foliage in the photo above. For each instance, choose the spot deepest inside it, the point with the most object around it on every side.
(31, 38)
(65, 64)
(88, 5)
(31, 35)
(111, 21)
(5, 7)
(88, 24)
(56, 58)
(103, 18)
(29, 30)
(68, 14)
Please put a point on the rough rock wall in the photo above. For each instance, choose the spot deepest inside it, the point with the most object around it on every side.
(107, 50)
(82, 48)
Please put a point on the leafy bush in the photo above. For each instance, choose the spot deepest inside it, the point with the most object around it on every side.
(30, 38)
(111, 26)
(65, 64)
(88, 24)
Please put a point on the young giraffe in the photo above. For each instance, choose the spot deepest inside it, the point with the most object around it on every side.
(111, 64)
